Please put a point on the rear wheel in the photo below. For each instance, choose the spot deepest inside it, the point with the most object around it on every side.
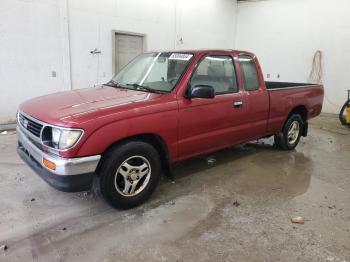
(289, 138)
(129, 174)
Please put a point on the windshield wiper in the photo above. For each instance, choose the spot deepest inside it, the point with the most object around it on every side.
(145, 88)
(114, 84)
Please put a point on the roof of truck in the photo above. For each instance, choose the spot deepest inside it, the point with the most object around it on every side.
(202, 51)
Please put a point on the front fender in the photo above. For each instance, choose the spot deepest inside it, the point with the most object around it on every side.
(162, 124)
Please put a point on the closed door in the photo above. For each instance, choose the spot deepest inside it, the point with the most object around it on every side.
(127, 47)
(209, 124)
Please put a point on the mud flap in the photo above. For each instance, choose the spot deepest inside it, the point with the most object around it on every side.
(168, 172)
(305, 129)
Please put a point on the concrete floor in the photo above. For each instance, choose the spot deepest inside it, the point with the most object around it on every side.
(238, 209)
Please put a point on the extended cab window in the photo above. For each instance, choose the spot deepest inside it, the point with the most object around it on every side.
(251, 80)
(218, 72)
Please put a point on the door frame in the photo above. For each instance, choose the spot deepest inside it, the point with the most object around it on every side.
(114, 36)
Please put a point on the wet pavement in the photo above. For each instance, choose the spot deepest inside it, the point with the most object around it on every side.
(237, 208)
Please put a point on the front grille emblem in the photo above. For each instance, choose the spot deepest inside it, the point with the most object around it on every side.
(25, 123)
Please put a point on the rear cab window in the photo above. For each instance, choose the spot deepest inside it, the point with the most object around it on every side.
(217, 71)
(250, 73)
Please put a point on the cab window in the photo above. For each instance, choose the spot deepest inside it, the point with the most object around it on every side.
(250, 73)
(218, 72)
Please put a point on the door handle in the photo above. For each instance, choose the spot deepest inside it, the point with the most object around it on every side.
(238, 104)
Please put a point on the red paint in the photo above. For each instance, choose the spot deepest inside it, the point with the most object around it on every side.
(188, 127)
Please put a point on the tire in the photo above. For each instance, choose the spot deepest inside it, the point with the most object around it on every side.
(341, 114)
(124, 165)
(285, 142)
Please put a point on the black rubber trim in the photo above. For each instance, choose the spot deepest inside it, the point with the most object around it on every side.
(74, 183)
(279, 85)
(305, 129)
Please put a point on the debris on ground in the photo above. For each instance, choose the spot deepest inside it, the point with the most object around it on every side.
(277, 188)
(64, 229)
(236, 203)
(32, 200)
(211, 160)
(3, 247)
(8, 132)
(298, 220)
(85, 194)
(332, 207)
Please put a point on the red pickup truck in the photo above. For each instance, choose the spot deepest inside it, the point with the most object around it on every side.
(161, 108)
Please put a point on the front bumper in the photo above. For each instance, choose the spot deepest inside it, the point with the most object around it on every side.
(70, 174)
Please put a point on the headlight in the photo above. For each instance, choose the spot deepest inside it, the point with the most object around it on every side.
(68, 138)
(60, 138)
(55, 134)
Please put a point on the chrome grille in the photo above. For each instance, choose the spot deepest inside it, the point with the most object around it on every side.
(29, 124)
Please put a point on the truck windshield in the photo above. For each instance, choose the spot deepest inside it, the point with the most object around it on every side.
(153, 72)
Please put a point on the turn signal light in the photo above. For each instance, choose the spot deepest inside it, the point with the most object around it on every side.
(49, 164)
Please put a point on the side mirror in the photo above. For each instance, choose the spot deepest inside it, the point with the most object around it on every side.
(201, 91)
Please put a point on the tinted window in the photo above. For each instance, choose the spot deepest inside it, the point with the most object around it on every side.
(218, 72)
(251, 80)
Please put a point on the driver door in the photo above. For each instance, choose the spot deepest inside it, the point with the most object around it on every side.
(207, 124)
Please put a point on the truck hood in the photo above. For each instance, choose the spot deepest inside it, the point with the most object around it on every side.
(72, 107)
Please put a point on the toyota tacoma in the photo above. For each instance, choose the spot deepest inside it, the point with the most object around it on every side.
(163, 107)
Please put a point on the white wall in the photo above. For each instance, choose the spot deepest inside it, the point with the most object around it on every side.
(38, 37)
(33, 43)
(206, 23)
(285, 34)
(199, 23)
(91, 26)
(41, 36)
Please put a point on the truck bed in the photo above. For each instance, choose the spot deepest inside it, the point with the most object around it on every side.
(285, 85)
(286, 96)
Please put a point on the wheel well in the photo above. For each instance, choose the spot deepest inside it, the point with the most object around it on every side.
(155, 140)
(300, 110)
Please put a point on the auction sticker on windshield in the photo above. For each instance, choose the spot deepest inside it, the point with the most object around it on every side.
(179, 56)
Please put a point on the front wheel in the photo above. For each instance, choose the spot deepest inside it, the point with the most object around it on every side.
(129, 174)
(289, 138)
